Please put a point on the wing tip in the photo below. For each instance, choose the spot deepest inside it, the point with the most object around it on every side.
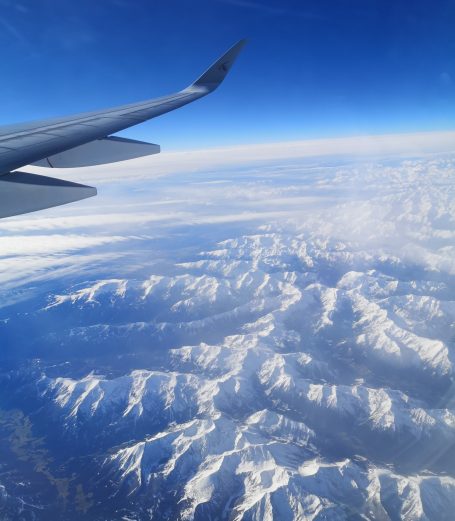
(216, 73)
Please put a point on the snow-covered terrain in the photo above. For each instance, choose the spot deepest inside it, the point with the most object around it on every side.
(293, 360)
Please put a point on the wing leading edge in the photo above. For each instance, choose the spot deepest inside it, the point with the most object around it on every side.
(85, 139)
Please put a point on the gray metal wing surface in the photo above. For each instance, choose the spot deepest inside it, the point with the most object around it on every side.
(84, 140)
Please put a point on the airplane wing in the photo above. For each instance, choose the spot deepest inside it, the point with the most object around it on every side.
(84, 140)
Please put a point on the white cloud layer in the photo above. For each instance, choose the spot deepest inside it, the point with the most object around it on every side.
(191, 161)
(388, 201)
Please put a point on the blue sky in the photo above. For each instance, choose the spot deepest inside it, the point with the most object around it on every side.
(311, 68)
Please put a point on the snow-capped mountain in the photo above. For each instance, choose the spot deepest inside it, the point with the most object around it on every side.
(300, 369)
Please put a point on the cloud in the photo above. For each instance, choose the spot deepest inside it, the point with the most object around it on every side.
(14, 32)
(89, 221)
(24, 245)
(28, 259)
(445, 79)
(190, 161)
(271, 10)
(361, 190)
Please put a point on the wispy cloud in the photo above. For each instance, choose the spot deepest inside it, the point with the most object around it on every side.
(11, 31)
(272, 10)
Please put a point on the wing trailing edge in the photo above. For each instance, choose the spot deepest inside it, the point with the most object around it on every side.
(23, 193)
(99, 152)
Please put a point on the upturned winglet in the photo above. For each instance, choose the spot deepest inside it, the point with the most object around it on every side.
(215, 74)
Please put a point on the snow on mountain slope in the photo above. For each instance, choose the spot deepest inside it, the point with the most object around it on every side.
(300, 369)
(313, 365)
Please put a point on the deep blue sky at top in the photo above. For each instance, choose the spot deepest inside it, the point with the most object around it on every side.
(311, 68)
